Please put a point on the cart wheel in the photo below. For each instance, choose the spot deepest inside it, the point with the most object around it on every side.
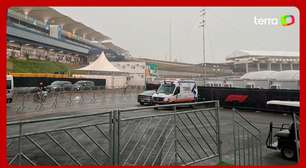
(288, 153)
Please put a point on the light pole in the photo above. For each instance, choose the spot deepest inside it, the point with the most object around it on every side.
(170, 40)
(202, 24)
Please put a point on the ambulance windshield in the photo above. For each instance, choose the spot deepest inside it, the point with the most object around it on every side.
(166, 88)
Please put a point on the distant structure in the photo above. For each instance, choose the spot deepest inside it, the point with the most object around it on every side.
(244, 61)
(135, 71)
(287, 75)
(45, 34)
(288, 79)
(101, 68)
(120, 53)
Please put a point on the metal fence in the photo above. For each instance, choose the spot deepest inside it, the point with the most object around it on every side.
(54, 101)
(175, 137)
(52, 142)
(247, 141)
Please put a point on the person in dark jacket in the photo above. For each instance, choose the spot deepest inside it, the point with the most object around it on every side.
(42, 87)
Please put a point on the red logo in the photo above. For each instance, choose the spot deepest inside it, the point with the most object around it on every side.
(237, 98)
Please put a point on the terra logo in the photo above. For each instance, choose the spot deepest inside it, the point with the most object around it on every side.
(285, 20)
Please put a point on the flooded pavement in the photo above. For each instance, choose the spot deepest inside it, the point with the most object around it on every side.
(107, 102)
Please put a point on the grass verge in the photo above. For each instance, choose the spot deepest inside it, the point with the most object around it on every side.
(37, 66)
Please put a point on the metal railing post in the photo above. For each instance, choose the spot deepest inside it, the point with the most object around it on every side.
(20, 144)
(175, 136)
(296, 138)
(116, 136)
(111, 141)
(82, 100)
(234, 135)
(94, 97)
(260, 150)
(55, 100)
(218, 128)
(21, 108)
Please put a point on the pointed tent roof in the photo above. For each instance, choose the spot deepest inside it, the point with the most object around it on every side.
(101, 64)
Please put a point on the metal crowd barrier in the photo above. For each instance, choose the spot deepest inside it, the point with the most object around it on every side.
(120, 137)
(56, 100)
(247, 141)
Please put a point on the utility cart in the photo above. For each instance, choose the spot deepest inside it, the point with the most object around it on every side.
(286, 137)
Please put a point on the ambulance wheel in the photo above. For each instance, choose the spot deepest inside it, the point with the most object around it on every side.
(288, 153)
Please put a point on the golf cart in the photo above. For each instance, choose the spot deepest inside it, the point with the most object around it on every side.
(286, 137)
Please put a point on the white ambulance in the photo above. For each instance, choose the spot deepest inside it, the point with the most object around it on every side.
(177, 91)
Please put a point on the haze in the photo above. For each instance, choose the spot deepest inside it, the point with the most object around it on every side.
(144, 31)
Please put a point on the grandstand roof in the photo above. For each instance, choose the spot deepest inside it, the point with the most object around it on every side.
(114, 47)
(245, 53)
(54, 17)
(289, 75)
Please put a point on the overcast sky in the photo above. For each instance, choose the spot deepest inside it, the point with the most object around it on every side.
(145, 31)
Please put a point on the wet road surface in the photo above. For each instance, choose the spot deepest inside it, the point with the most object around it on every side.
(104, 102)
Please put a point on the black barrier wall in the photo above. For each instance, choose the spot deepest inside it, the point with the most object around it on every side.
(255, 99)
(34, 81)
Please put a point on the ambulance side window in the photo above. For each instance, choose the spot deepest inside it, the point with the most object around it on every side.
(177, 91)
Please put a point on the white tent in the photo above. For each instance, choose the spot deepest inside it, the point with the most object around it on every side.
(288, 75)
(101, 64)
(259, 75)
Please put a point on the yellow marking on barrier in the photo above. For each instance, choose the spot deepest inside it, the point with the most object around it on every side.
(37, 75)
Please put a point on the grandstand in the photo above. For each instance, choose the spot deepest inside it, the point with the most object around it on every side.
(42, 33)
(244, 61)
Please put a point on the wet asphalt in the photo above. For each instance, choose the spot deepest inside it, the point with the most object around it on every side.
(103, 102)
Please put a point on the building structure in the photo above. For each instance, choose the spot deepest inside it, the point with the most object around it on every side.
(244, 61)
(289, 79)
(45, 34)
(135, 70)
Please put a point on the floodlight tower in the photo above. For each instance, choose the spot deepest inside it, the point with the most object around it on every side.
(170, 40)
(202, 24)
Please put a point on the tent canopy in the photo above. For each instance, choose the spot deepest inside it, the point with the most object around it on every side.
(284, 103)
(288, 75)
(100, 65)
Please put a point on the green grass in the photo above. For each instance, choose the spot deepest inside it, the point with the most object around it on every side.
(37, 66)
